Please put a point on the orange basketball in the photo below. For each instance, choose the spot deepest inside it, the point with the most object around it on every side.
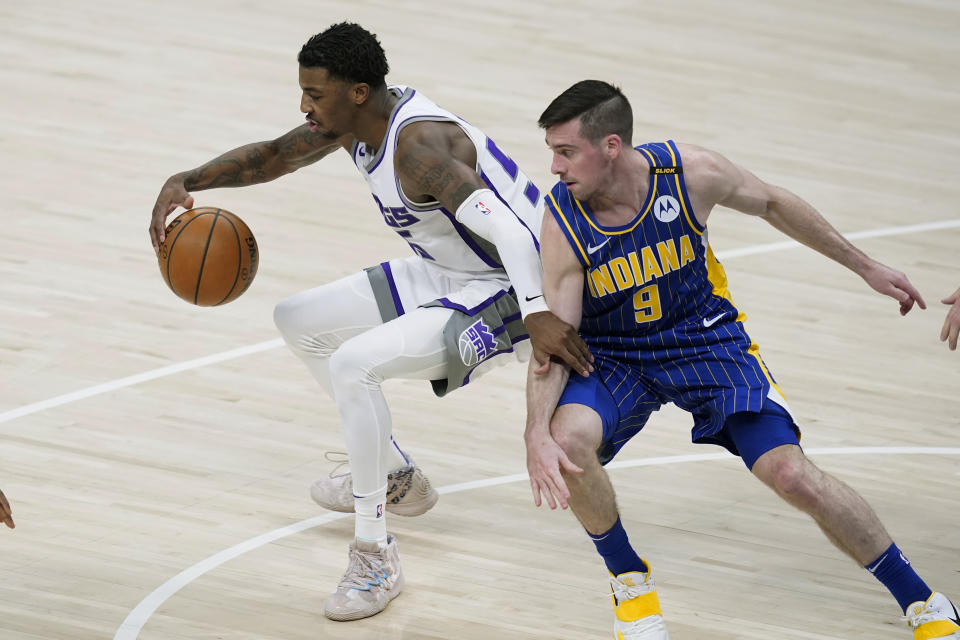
(209, 256)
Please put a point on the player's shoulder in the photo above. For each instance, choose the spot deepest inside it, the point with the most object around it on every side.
(427, 134)
(701, 164)
(695, 157)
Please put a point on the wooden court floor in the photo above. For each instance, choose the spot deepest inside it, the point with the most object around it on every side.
(158, 455)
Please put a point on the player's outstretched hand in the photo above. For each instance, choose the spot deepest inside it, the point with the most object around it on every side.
(172, 195)
(545, 459)
(951, 325)
(6, 516)
(551, 336)
(891, 282)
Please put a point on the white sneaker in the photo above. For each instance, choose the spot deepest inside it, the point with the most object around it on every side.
(372, 580)
(636, 607)
(935, 618)
(409, 492)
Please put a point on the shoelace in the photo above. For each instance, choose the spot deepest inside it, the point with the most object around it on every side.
(915, 621)
(365, 570)
(340, 458)
(623, 592)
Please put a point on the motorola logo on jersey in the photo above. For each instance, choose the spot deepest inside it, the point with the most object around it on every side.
(666, 209)
(476, 343)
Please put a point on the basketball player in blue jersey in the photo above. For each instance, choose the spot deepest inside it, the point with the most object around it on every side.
(951, 324)
(470, 292)
(626, 259)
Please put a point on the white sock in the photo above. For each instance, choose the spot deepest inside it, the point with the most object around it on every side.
(371, 522)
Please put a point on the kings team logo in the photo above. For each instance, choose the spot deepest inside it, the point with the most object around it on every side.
(476, 343)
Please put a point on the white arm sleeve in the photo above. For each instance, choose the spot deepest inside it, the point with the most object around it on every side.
(484, 214)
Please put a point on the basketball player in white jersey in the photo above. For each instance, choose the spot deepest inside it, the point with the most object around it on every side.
(471, 291)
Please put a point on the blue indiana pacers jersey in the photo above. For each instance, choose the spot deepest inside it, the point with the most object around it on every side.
(657, 313)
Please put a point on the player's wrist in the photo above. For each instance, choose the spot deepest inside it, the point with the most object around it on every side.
(530, 305)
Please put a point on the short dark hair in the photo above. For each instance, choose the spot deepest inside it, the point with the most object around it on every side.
(601, 107)
(349, 52)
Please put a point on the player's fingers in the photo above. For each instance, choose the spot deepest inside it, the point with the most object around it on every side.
(559, 488)
(568, 465)
(188, 202)
(535, 488)
(543, 369)
(540, 355)
(582, 348)
(952, 299)
(906, 286)
(954, 333)
(6, 514)
(548, 493)
(569, 359)
(579, 348)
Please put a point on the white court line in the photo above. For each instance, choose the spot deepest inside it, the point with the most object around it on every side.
(133, 624)
(270, 344)
(129, 381)
(856, 235)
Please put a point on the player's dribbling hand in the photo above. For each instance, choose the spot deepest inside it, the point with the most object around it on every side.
(545, 459)
(895, 284)
(6, 516)
(551, 336)
(951, 325)
(172, 195)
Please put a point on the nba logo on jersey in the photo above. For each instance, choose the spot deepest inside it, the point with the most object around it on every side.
(476, 343)
(482, 208)
(666, 209)
(379, 510)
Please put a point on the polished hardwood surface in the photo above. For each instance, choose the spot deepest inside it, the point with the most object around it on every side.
(852, 105)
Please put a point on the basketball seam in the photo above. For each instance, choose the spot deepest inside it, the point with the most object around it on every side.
(177, 238)
(240, 249)
(203, 260)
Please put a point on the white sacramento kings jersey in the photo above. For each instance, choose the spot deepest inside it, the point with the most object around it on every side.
(431, 230)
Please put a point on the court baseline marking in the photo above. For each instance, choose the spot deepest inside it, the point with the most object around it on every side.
(138, 617)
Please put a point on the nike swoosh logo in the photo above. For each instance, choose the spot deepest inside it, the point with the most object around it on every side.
(956, 615)
(592, 250)
(712, 321)
(532, 298)
(874, 568)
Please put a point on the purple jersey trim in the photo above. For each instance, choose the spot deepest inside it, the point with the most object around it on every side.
(470, 242)
(510, 209)
(446, 302)
(532, 193)
(393, 287)
(393, 116)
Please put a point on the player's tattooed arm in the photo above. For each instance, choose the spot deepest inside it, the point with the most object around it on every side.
(250, 164)
(262, 161)
(436, 162)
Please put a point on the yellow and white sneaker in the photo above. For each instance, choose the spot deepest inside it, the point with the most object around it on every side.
(935, 618)
(636, 607)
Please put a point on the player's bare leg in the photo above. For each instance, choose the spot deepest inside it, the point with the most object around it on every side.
(637, 615)
(853, 526)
